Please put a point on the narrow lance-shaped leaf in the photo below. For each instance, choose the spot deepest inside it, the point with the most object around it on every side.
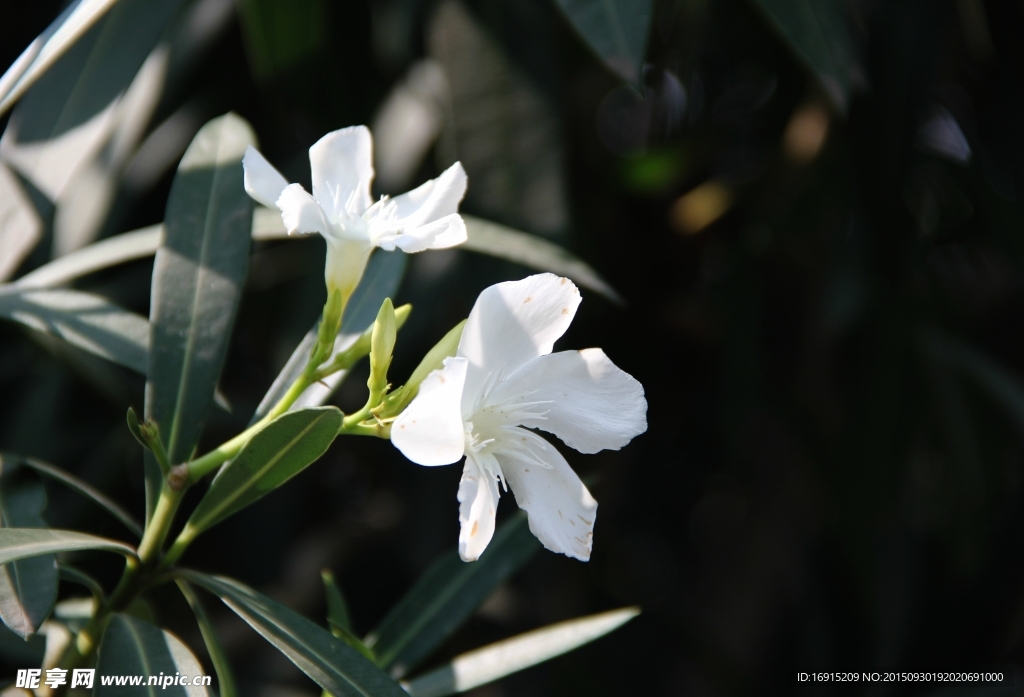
(133, 647)
(497, 660)
(225, 677)
(28, 587)
(84, 488)
(446, 595)
(82, 319)
(74, 575)
(333, 665)
(616, 30)
(287, 445)
(338, 617)
(22, 543)
(198, 275)
(535, 252)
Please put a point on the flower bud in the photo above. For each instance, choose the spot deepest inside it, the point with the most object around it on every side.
(382, 344)
(445, 348)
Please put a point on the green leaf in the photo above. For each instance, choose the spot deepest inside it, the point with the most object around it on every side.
(197, 281)
(615, 30)
(133, 647)
(535, 252)
(84, 488)
(818, 33)
(74, 575)
(446, 595)
(333, 665)
(338, 617)
(28, 587)
(497, 660)
(337, 608)
(111, 251)
(381, 280)
(82, 319)
(225, 677)
(198, 275)
(285, 447)
(75, 129)
(22, 543)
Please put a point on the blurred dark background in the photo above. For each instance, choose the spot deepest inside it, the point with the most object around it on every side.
(820, 249)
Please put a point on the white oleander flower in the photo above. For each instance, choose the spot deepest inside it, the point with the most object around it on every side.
(342, 210)
(503, 381)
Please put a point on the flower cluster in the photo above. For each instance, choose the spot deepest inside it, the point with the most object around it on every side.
(503, 383)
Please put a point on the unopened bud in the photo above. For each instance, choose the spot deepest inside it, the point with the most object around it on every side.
(445, 348)
(133, 426)
(382, 344)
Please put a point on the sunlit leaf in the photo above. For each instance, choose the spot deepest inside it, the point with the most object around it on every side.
(84, 488)
(28, 587)
(817, 31)
(497, 660)
(616, 30)
(198, 276)
(285, 447)
(22, 543)
(381, 280)
(21, 228)
(111, 251)
(225, 677)
(75, 129)
(333, 665)
(535, 252)
(132, 647)
(446, 595)
(62, 33)
(82, 319)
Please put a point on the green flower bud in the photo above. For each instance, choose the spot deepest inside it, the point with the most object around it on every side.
(382, 344)
(445, 348)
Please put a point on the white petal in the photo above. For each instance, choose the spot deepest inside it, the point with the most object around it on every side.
(560, 509)
(342, 168)
(589, 402)
(478, 504)
(432, 200)
(262, 181)
(512, 323)
(430, 430)
(300, 213)
(440, 234)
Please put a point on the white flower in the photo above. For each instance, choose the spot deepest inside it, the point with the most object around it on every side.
(505, 380)
(342, 210)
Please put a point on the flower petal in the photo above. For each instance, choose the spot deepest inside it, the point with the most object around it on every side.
(478, 504)
(262, 181)
(342, 165)
(512, 323)
(589, 402)
(430, 430)
(560, 509)
(440, 234)
(300, 213)
(432, 200)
